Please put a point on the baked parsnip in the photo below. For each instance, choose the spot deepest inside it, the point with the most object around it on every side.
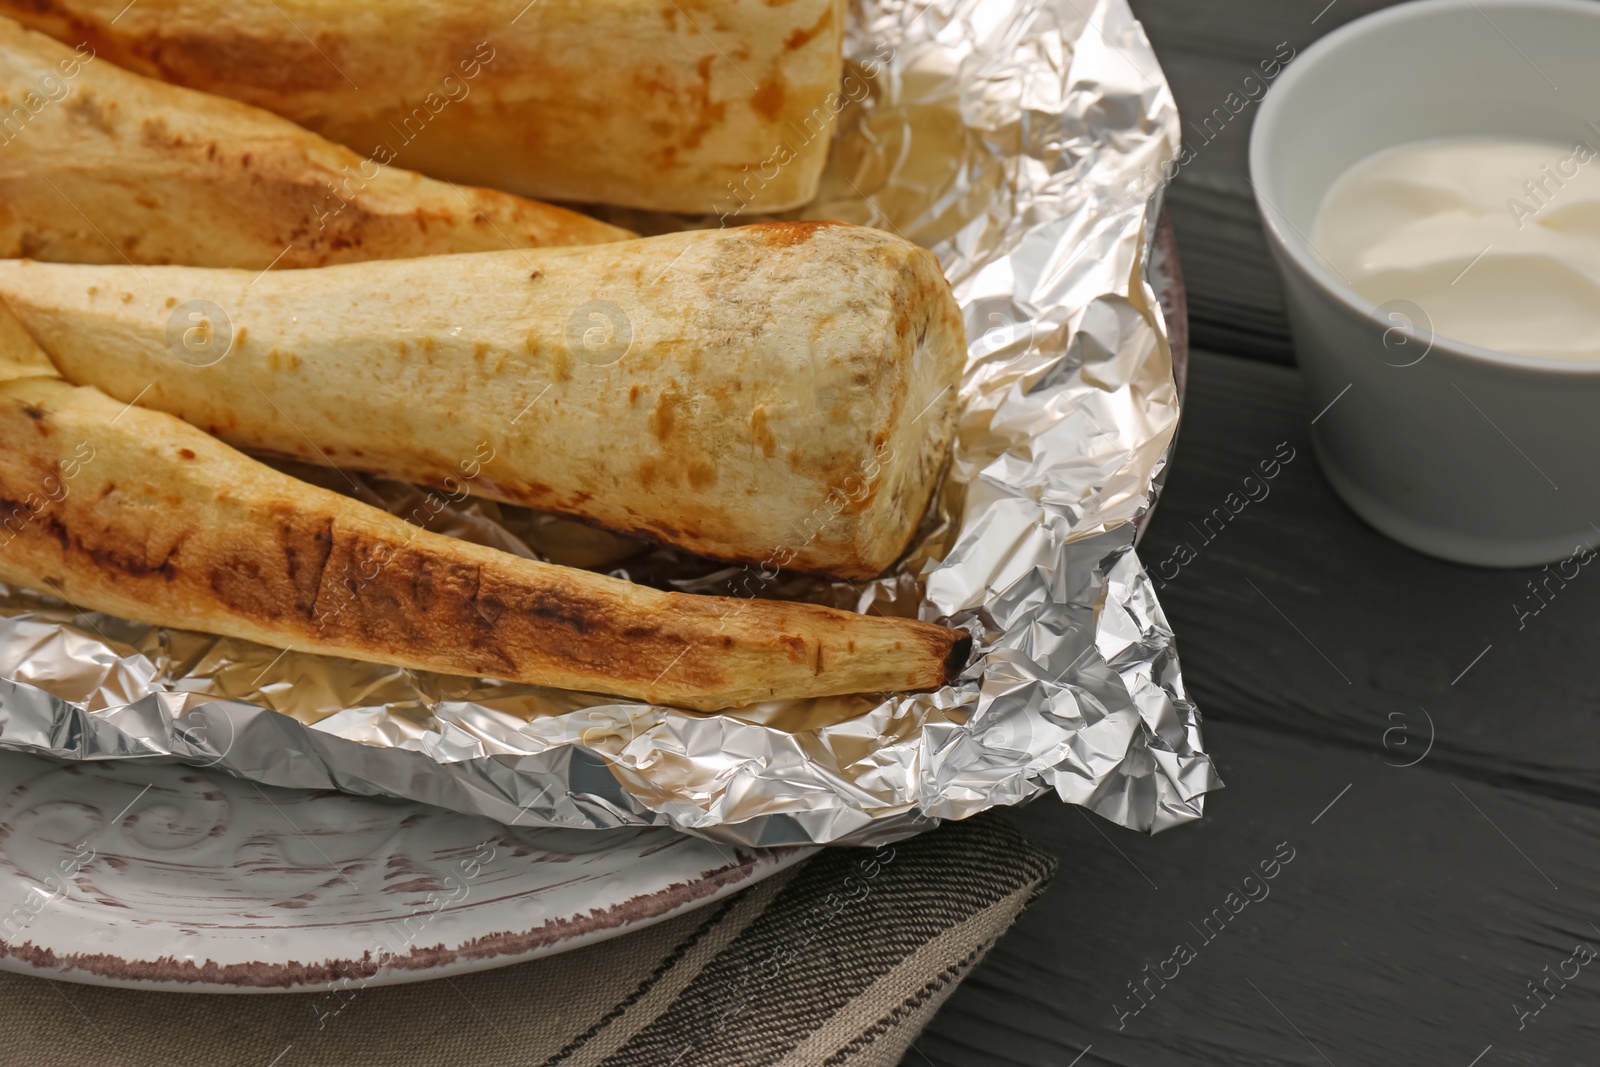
(98, 165)
(780, 394)
(115, 508)
(648, 103)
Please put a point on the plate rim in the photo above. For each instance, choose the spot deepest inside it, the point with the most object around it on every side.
(288, 971)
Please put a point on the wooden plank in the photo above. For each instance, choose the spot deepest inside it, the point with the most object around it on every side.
(1294, 615)
(1403, 931)
(1235, 299)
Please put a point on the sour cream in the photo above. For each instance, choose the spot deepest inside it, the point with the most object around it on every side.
(1497, 240)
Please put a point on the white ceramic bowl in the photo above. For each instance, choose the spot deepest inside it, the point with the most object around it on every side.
(1458, 451)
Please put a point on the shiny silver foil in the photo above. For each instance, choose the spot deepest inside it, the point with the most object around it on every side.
(1016, 138)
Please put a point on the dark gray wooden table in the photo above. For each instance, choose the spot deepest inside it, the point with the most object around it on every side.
(1421, 901)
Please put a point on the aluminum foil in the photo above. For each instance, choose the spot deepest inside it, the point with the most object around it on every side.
(1006, 135)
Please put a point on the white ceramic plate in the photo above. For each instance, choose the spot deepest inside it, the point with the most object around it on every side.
(162, 876)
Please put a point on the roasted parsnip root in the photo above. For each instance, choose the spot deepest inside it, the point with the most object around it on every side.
(659, 104)
(115, 508)
(99, 165)
(780, 394)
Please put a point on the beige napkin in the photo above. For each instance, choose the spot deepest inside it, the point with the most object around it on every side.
(839, 961)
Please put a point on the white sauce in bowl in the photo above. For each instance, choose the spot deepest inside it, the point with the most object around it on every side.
(1497, 240)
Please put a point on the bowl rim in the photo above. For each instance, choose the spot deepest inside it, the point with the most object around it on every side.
(1298, 248)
